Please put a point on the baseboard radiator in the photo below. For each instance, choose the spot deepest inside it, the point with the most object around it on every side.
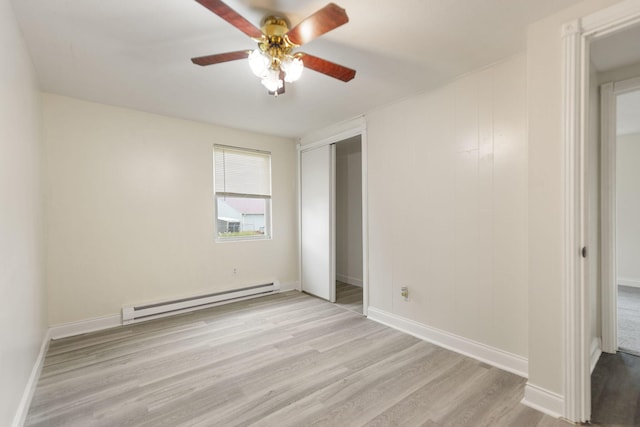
(139, 313)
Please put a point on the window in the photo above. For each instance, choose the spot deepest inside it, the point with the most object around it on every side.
(242, 186)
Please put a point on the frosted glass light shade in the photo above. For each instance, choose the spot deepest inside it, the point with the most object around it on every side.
(272, 80)
(259, 63)
(292, 68)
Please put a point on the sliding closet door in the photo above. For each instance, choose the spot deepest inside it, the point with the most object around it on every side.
(317, 195)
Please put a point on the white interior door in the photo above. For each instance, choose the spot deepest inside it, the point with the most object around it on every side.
(317, 201)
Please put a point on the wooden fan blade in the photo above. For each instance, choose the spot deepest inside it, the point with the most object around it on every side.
(232, 17)
(329, 68)
(326, 19)
(220, 57)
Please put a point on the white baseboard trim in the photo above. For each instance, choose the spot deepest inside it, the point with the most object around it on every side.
(291, 286)
(85, 326)
(624, 281)
(596, 351)
(111, 321)
(29, 390)
(349, 279)
(493, 356)
(543, 400)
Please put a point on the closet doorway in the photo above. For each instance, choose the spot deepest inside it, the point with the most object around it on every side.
(333, 218)
(348, 213)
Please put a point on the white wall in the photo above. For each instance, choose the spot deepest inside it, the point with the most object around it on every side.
(457, 156)
(349, 211)
(545, 213)
(628, 209)
(130, 215)
(22, 293)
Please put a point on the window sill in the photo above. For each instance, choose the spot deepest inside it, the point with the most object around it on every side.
(241, 239)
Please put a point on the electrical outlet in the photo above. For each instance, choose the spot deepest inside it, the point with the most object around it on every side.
(235, 271)
(404, 291)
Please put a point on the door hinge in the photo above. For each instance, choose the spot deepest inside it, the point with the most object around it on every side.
(584, 252)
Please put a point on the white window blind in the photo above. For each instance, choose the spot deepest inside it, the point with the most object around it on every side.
(244, 172)
(242, 187)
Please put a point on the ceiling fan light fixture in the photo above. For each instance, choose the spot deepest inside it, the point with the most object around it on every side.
(272, 80)
(259, 63)
(273, 65)
(292, 68)
(275, 62)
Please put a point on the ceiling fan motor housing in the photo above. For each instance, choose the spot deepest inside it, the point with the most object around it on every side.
(274, 41)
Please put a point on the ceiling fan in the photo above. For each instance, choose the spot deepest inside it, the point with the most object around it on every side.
(274, 60)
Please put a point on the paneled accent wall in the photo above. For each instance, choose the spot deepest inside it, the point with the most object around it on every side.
(448, 207)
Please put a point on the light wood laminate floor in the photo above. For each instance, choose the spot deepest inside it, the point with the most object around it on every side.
(283, 360)
(349, 296)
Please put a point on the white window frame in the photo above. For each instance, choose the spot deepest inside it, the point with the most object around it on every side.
(220, 195)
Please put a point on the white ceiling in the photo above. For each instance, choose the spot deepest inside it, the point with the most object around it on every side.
(136, 54)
